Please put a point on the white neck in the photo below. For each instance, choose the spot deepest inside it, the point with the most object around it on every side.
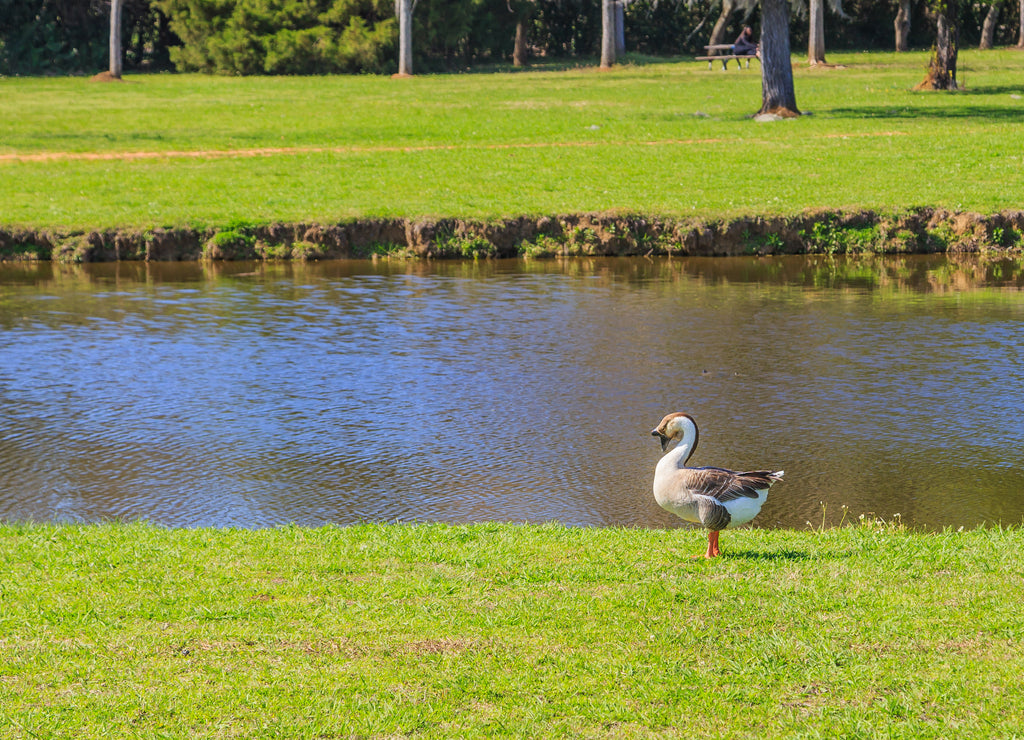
(678, 455)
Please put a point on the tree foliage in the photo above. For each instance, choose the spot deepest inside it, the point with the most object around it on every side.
(73, 36)
(667, 27)
(324, 36)
(247, 37)
(568, 27)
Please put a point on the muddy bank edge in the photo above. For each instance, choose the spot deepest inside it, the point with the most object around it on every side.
(920, 230)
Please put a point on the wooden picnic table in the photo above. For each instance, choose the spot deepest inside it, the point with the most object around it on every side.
(713, 55)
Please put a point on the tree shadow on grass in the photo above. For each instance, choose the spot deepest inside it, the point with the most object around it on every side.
(556, 64)
(774, 555)
(992, 90)
(1000, 114)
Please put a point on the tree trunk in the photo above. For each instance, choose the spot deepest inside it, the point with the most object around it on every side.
(620, 28)
(1020, 38)
(404, 8)
(777, 94)
(115, 39)
(942, 68)
(519, 53)
(988, 28)
(718, 32)
(816, 39)
(607, 34)
(903, 26)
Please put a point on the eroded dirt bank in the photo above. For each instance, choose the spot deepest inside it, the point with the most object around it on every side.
(598, 234)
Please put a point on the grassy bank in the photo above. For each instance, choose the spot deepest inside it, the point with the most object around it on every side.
(667, 139)
(501, 630)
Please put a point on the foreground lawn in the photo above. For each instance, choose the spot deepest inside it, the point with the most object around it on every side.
(664, 138)
(504, 630)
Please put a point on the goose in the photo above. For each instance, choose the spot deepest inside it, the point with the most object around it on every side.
(715, 498)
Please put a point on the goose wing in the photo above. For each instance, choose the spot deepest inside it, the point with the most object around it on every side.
(727, 485)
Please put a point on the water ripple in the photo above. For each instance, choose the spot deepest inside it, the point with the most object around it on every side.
(253, 396)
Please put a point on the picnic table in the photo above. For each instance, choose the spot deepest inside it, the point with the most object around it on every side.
(713, 55)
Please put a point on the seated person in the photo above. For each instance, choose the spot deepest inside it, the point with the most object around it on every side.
(744, 43)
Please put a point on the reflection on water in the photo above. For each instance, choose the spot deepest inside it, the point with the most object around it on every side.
(254, 395)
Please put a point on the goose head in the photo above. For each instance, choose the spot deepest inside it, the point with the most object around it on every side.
(680, 427)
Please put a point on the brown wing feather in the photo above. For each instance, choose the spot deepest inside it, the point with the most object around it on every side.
(726, 485)
(712, 514)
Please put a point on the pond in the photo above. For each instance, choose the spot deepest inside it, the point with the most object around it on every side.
(261, 394)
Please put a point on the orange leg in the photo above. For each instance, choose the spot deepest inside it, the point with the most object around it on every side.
(713, 550)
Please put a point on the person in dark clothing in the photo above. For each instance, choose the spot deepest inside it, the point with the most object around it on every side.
(744, 43)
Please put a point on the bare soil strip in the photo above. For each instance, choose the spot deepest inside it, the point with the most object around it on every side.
(272, 151)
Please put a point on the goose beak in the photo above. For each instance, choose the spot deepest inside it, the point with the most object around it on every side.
(662, 438)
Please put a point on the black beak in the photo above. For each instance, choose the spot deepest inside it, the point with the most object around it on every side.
(664, 440)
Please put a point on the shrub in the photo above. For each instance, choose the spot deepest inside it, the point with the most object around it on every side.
(234, 243)
(244, 37)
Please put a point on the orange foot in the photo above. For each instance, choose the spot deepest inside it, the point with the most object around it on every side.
(713, 551)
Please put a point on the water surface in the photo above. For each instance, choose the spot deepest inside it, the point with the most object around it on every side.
(254, 395)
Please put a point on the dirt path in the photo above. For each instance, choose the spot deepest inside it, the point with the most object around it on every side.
(272, 151)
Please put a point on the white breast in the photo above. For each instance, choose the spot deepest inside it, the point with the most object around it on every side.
(670, 490)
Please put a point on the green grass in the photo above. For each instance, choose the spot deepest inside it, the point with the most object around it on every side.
(504, 630)
(663, 138)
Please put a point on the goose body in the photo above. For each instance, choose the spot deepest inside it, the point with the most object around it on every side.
(715, 498)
